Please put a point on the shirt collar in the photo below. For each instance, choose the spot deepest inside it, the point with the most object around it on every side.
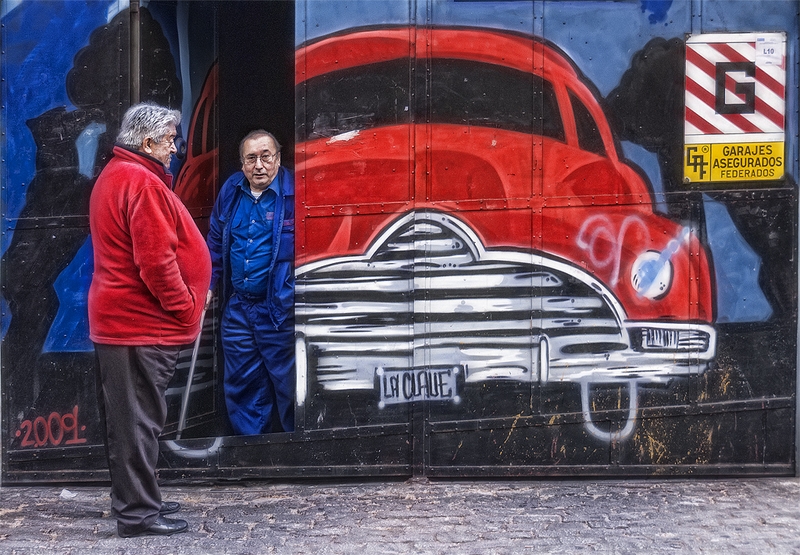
(244, 184)
(155, 166)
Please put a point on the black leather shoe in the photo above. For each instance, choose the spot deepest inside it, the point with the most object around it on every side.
(163, 526)
(169, 507)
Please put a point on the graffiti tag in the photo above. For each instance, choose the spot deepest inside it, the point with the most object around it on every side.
(405, 386)
(600, 227)
(52, 431)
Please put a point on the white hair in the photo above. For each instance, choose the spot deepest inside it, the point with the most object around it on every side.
(146, 120)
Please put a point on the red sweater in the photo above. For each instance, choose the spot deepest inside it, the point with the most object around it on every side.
(151, 264)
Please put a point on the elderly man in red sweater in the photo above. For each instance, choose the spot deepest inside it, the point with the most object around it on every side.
(151, 274)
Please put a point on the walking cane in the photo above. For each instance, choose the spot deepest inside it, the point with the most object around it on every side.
(190, 378)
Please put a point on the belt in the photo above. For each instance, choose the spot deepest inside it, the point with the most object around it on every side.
(250, 297)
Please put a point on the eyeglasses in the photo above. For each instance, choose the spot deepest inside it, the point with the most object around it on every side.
(166, 139)
(268, 158)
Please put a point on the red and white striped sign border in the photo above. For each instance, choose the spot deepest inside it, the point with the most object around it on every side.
(735, 85)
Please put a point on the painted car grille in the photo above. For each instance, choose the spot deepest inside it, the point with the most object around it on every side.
(427, 295)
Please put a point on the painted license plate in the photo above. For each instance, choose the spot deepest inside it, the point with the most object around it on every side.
(429, 384)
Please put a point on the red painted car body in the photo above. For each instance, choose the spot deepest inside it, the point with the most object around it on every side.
(411, 142)
(196, 183)
(521, 190)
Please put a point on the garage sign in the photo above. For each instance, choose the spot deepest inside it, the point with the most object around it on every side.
(734, 127)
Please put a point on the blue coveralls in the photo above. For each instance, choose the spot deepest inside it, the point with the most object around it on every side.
(257, 308)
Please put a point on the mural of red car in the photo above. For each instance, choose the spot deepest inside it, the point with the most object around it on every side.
(468, 218)
(196, 182)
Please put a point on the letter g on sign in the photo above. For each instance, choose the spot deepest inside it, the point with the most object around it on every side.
(744, 90)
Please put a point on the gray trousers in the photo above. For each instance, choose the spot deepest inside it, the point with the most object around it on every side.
(131, 383)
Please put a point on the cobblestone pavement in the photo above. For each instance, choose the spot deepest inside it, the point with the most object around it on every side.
(729, 516)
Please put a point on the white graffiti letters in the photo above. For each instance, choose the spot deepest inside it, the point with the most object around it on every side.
(603, 246)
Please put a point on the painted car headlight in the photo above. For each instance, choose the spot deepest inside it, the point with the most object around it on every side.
(651, 275)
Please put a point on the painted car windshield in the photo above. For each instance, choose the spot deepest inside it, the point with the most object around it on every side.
(589, 137)
(462, 92)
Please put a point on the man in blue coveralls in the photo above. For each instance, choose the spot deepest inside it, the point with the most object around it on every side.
(251, 239)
